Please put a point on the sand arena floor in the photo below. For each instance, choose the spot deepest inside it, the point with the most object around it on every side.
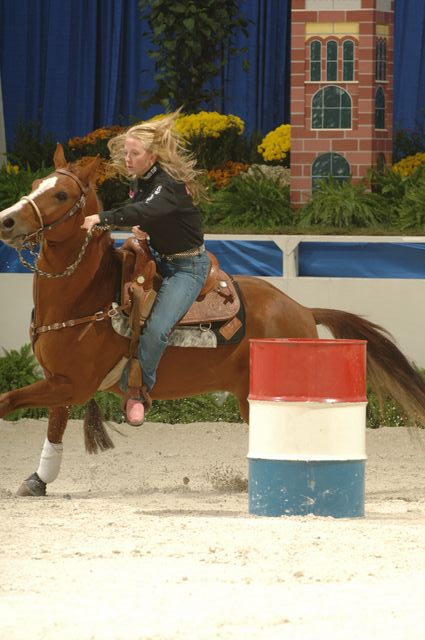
(150, 541)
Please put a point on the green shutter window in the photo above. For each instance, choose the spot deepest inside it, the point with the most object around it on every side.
(384, 60)
(315, 61)
(331, 61)
(331, 109)
(381, 60)
(329, 165)
(380, 108)
(348, 61)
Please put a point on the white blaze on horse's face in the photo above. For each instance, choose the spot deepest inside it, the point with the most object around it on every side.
(19, 220)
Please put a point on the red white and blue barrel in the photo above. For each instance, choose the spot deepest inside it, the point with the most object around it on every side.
(307, 432)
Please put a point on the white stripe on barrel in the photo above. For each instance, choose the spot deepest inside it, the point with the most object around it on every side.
(307, 427)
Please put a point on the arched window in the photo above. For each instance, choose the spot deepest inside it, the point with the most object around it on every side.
(316, 61)
(331, 109)
(348, 60)
(331, 60)
(329, 165)
(380, 108)
(381, 60)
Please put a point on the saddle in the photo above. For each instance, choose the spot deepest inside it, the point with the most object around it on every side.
(218, 300)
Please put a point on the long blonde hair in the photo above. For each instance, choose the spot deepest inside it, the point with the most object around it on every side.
(159, 137)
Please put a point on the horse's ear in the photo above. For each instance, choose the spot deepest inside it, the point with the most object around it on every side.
(59, 157)
(87, 172)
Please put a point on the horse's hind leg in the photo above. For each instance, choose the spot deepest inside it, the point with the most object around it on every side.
(51, 455)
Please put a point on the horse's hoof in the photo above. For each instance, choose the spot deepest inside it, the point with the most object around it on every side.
(32, 486)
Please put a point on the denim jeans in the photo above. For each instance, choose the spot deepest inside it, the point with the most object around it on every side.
(183, 279)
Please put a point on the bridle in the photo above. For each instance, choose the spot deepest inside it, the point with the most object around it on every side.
(32, 239)
(68, 214)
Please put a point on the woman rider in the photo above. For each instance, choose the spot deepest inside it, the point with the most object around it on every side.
(165, 189)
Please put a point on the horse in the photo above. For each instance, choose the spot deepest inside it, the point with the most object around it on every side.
(79, 351)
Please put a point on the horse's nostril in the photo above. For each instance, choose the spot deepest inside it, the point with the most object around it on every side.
(8, 223)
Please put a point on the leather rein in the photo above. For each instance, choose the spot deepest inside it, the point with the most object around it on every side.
(34, 237)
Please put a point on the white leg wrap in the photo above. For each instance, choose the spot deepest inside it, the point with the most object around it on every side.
(50, 461)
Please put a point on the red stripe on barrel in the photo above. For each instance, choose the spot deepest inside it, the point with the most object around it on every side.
(306, 370)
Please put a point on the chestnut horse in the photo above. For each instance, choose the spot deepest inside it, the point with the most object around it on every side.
(75, 276)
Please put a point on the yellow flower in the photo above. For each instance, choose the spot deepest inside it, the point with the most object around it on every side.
(12, 169)
(207, 124)
(407, 165)
(276, 143)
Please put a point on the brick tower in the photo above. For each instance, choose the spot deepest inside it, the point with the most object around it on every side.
(341, 90)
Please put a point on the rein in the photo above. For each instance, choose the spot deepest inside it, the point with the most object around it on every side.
(34, 238)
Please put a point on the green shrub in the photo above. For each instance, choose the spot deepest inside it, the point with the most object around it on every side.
(254, 202)
(191, 44)
(213, 407)
(31, 148)
(15, 184)
(112, 193)
(19, 368)
(344, 204)
(407, 142)
(387, 415)
(411, 206)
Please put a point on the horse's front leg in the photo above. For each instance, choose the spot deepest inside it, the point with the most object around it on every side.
(51, 455)
(51, 392)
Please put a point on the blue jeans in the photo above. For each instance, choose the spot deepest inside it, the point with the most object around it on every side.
(183, 279)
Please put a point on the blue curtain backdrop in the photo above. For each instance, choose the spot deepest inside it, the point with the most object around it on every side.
(80, 64)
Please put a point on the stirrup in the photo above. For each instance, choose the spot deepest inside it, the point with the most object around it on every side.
(135, 412)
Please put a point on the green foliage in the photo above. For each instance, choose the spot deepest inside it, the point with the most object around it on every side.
(31, 148)
(112, 193)
(14, 185)
(343, 204)
(387, 415)
(389, 184)
(252, 201)
(408, 142)
(192, 41)
(211, 153)
(19, 368)
(213, 407)
(411, 207)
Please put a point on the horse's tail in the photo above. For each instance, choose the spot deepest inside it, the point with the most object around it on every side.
(389, 373)
(95, 434)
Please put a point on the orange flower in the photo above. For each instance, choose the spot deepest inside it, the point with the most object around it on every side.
(222, 176)
(105, 170)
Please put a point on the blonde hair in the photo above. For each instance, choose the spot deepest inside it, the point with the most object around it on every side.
(158, 136)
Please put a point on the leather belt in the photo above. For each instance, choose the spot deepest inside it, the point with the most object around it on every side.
(189, 253)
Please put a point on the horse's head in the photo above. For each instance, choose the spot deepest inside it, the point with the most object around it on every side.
(52, 201)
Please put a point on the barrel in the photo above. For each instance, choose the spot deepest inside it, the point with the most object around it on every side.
(307, 432)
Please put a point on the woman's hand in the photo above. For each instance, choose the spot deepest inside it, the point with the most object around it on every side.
(90, 221)
(139, 233)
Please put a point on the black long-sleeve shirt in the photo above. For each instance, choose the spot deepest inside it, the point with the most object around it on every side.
(164, 209)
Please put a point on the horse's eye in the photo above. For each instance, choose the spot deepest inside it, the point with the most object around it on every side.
(61, 196)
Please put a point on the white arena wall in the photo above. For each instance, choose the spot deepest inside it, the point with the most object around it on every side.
(396, 304)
